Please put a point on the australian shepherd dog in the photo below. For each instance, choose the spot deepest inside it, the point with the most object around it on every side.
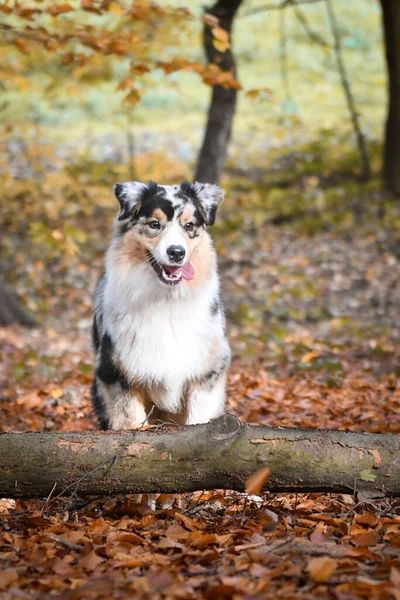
(159, 328)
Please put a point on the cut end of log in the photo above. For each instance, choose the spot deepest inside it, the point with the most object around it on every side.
(225, 427)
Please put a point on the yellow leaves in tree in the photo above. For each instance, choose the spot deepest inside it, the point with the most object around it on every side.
(89, 6)
(139, 69)
(221, 39)
(212, 75)
(132, 98)
(255, 483)
(59, 9)
(116, 9)
(321, 568)
(22, 45)
(261, 94)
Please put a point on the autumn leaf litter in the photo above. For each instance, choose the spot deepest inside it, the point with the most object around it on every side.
(314, 331)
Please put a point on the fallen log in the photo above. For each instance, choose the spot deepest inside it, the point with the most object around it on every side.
(217, 455)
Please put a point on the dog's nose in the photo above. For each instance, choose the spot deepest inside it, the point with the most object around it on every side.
(176, 253)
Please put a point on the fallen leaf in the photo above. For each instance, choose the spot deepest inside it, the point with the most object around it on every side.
(255, 482)
(321, 568)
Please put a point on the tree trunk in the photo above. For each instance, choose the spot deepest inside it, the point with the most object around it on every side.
(391, 158)
(11, 311)
(213, 152)
(217, 455)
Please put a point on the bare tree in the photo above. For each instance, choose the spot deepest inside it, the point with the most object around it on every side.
(391, 156)
(213, 152)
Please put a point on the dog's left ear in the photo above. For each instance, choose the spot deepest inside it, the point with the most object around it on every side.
(129, 195)
(208, 196)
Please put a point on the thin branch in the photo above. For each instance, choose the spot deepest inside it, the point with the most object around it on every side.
(283, 56)
(365, 164)
(283, 4)
(313, 35)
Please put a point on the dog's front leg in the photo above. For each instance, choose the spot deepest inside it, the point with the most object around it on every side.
(124, 408)
(206, 400)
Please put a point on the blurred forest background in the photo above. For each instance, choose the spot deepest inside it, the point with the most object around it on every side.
(93, 92)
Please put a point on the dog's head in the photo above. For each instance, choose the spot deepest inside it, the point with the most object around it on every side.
(165, 224)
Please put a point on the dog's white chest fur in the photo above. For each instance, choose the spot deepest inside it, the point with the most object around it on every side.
(167, 341)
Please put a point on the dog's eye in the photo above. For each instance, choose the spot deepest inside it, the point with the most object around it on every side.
(154, 225)
(189, 226)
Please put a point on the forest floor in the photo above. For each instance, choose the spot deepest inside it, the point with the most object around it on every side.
(312, 300)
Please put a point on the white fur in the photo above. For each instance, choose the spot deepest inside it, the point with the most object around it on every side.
(173, 236)
(169, 329)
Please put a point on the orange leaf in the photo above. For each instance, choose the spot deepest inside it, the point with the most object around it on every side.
(321, 568)
(188, 522)
(395, 577)
(8, 577)
(255, 483)
(67, 58)
(309, 356)
(364, 540)
(22, 46)
(132, 98)
(221, 34)
(139, 69)
(59, 9)
(368, 518)
(91, 561)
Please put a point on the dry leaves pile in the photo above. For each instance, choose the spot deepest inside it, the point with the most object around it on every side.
(313, 327)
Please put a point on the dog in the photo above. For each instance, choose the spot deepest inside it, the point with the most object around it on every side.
(161, 350)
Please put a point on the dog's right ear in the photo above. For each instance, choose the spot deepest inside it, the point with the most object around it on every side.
(129, 195)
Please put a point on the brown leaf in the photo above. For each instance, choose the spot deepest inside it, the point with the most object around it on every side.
(188, 522)
(7, 578)
(220, 34)
(319, 536)
(59, 9)
(364, 540)
(395, 577)
(91, 561)
(116, 537)
(321, 568)
(255, 482)
(368, 518)
(206, 540)
(132, 98)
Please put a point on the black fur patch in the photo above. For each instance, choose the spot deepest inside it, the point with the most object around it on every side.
(95, 336)
(107, 371)
(214, 308)
(187, 191)
(212, 376)
(155, 202)
(211, 214)
(99, 406)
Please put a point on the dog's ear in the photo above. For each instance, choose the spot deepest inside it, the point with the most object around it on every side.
(129, 195)
(206, 196)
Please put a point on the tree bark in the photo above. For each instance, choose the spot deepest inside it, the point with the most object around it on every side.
(218, 455)
(213, 152)
(391, 157)
(11, 311)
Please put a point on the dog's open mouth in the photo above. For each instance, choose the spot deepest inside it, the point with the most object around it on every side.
(171, 275)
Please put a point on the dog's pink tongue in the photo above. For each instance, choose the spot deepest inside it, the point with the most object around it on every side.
(186, 270)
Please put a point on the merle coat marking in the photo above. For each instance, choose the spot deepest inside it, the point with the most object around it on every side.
(159, 326)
